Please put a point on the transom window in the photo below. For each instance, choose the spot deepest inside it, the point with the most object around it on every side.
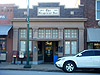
(71, 33)
(98, 9)
(23, 33)
(48, 33)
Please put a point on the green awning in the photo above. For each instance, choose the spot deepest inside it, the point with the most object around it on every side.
(4, 29)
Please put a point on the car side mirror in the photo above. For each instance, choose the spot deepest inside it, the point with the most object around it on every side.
(79, 55)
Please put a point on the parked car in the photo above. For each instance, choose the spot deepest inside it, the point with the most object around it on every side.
(86, 59)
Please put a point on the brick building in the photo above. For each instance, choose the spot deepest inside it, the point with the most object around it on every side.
(54, 30)
(6, 32)
(92, 13)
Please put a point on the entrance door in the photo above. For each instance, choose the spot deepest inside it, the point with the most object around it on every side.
(48, 52)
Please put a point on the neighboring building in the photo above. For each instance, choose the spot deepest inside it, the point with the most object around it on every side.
(6, 32)
(52, 27)
(92, 30)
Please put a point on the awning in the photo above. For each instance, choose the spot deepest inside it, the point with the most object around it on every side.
(4, 29)
(93, 35)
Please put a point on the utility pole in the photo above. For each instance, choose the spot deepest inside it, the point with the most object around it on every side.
(27, 63)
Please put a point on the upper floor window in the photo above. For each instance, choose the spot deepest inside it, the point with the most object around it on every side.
(98, 9)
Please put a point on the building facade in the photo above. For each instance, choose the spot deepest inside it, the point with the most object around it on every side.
(6, 32)
(54, 30)
(92, 13)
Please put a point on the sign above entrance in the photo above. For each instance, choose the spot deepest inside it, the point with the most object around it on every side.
(48, 11)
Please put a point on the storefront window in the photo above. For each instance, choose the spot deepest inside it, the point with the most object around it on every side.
(55, 33)
(30, 33)
(67, 33)
(67, 47)
(74, 47)
(70, 47)
(71, 33)
(23, 33)
(41, 33)
(90, 45)
(2, 46)
(48, 33)
(30, 45)
(22, 45)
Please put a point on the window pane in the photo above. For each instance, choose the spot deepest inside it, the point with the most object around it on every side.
(97, 53)
(48, 33)
(55, 33)
(22, 45)
(23, 33)
(41, 33)
(67, 33)
(2, 46)
(30, 45)
(74, 47)
(30, 33)
(98, 5)
(67, 47)
(74, 33)
(98, 14)
(88, 53)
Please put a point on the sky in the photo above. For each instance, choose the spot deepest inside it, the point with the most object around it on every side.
(23, 3)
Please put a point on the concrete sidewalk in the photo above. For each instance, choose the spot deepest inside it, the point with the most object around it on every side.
(40, 67)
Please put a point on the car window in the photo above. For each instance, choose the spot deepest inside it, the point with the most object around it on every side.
(97, 53)
(88, 53)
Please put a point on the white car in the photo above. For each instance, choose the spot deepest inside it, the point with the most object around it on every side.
(86, 59)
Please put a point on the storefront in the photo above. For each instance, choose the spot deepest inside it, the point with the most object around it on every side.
(93, 38)
(4, 29)
(53, 31)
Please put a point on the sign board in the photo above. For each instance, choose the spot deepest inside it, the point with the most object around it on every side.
(3, 56)
(3, 17)
(48, 11)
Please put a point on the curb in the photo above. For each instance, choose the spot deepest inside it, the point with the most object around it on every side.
(32, 70)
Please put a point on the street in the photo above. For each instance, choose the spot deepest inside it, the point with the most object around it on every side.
(17, 72)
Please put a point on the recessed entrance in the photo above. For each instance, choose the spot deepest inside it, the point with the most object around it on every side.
(48, 49)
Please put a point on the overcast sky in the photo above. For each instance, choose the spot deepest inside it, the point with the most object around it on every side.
(23, 3)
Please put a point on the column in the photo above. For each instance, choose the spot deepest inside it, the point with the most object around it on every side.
(81, 39)
(15, 39)
(35, 49)
(60, 44)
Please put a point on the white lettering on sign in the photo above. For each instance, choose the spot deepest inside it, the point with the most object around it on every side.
(48, 11)
(2, 16)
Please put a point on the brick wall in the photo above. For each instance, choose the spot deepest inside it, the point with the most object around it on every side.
(90, 14)
(7, 9)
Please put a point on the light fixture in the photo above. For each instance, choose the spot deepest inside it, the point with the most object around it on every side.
(99, 22)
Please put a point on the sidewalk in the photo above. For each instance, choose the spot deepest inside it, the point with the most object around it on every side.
(40, 67)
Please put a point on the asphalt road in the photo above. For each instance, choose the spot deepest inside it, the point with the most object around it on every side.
(17, 72)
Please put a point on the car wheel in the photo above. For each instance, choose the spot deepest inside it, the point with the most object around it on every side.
(69, 67)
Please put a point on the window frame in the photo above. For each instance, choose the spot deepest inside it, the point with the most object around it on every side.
(71, 53)
(96, 10)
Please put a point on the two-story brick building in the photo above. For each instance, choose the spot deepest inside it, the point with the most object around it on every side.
(6, 32)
